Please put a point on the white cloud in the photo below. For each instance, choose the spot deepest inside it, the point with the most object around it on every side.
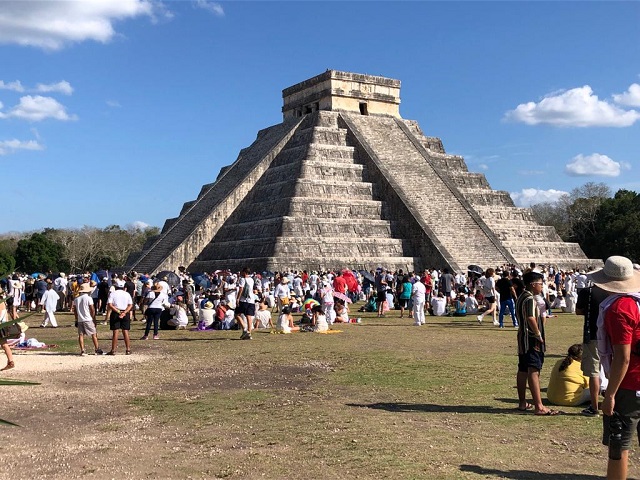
(113, 104)
(12, 146)
(533, 196)
(139, 225)
(483, 166)
(53, 24)
(15, 86)
(630, 98)
(594, 165)
(62, 87)
(37, 108)
(578, 107)
(212, 7)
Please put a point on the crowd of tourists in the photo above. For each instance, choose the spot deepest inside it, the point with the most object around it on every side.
(606, 362)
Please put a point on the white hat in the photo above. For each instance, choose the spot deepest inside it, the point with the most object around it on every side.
(120, 283)
(617, 276)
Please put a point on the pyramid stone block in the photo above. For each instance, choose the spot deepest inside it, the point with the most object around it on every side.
(344, 181)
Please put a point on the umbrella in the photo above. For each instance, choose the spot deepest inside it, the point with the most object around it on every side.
(342, 296)
(352, 283)
(310, 303)
(475, 269)
(367, 275)
(35, 275)
(201, 280)
(172, 279)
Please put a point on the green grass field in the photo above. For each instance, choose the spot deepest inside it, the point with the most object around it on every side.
(381, 399)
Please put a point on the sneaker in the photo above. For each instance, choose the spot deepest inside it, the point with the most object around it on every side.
(496, 323)
(156, 337)
(590, 412)
(99, 351)
(144, 337)
(479, 318)
(83, 353)
(244, 335)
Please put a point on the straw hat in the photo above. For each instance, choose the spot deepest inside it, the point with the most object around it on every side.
(85, 288)
(208, 306)
(617, 276)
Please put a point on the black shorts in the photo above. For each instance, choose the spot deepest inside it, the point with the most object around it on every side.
(117, 323)
(382, 295)
(249, 309)
(531, 359)
(404, 302)
(627, 408)
(490, 299)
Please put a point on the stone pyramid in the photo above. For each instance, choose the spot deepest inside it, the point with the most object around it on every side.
(344, 181)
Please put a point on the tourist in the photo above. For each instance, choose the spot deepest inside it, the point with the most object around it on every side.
(404, 295)
(188, 294)
(49, 304)
(341, 312)
(418, 297)
(617, 345)
(489, 292)
(381, 291)
(447, 284)
(461, 306)
(246, 305)
(327, 301)
(319, 320)
(285, 322)
(471, 304)
(3, 341)
(85, 315)
(155, 301)
(507, 293)
(130, 288)
(588, 304)
(119, 304)
(438, 305)
(567, 385)
(263, 316)
(531, 345)
(282, 293)
(206, 315)
(178, 311)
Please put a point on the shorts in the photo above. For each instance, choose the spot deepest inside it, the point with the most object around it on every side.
(382, 296)
(404, 302)
(86, 328)
(490, 299)
(117, 323)
(249, 309)
(590, 359)
(628, 409)
(531, 359)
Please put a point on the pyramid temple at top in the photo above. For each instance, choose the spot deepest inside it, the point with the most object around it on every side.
(345, 181)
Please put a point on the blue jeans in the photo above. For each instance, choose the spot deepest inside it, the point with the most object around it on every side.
(512, 311)
(153, 315)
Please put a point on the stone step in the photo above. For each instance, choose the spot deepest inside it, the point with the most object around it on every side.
(485, 197)
(313, 169)
(517, 215)
(287, 186)
(311, 262)
(530, 233)
(321, 135)
(469, 180)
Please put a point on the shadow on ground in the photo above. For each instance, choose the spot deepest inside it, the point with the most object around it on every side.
(434, 408)
(525, 474)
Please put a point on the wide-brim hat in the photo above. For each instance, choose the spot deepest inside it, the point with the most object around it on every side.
(208, 306)
(617, 276)
(85, 288)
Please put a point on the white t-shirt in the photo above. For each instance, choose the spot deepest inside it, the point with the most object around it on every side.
(439, 305)
(82, 305)
(281, 291)
(419, 292)
(207, 315)
(50, 300)
(157, 301)
(120, 299)
(246, 294)
(283, 324)
(321, 323)
(262, 317)
(489, 287)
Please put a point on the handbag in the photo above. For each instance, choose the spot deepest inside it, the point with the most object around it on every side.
(14, 330)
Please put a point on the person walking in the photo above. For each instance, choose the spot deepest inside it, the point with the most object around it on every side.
(49, 304)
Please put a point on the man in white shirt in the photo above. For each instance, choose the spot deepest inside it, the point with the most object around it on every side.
(418, 295)
(85, 314)
(119, 305)
(49, 304)
(439, 305)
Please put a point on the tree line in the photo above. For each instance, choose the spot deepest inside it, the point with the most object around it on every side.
(601, 223)
(71, 250)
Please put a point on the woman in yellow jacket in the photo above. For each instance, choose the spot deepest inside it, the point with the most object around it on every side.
(567, 385)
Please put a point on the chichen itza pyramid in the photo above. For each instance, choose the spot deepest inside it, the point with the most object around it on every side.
(345, 181)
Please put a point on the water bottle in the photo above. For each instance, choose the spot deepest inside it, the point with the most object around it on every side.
(615, 437)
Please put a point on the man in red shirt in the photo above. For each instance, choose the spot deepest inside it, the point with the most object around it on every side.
(339, 283)
(621, 406)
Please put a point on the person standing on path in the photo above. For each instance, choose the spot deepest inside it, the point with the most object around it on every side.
(119, 305)
(49, 304)
(85, 314)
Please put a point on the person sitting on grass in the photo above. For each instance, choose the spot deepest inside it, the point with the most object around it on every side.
(567, 385)
(206, 315)
(471, 304)
(179, 318)
(438, 305)
(263, 316)
(342, 312)
(461, 306)
(285, 322)
(318, 320)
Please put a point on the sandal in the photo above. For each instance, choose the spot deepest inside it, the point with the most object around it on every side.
(110, 352)
(9, 366)
(127, 352)
(526, 408)
(548, 413)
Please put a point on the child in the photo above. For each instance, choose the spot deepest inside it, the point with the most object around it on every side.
(342, 312)
(319, 320)
(285, 322)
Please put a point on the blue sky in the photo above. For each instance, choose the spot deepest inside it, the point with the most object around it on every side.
(118, 111)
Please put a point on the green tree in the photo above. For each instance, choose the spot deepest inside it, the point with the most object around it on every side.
(39, 253)
(7, 263)
(616, 228)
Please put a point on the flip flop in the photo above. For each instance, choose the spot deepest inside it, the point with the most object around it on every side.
(548, 413)
(525, 409)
